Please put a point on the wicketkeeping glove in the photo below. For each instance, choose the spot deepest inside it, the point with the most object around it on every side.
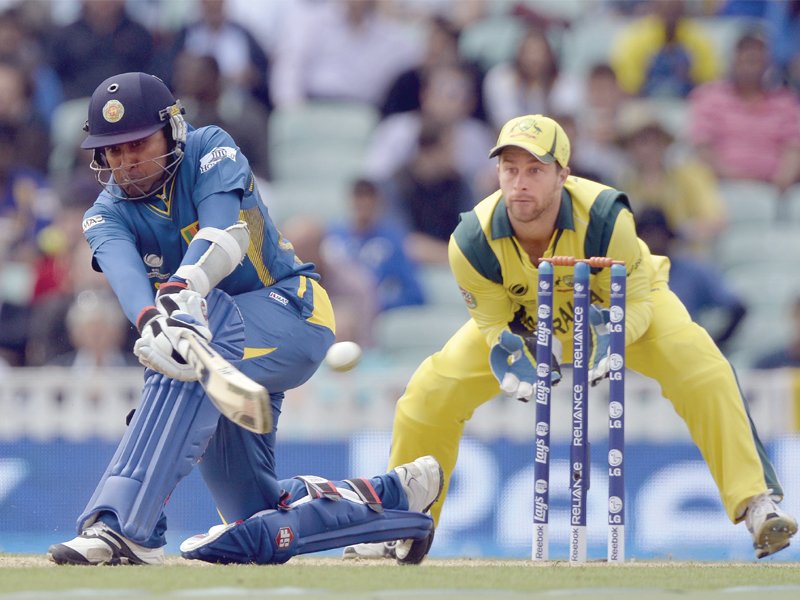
(515, 367)
(600, 343)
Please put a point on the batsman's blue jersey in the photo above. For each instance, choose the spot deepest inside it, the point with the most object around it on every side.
(139, 245)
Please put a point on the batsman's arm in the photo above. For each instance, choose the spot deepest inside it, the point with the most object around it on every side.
(126, 275)
(213, 254)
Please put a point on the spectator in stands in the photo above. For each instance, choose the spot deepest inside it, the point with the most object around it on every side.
(350, 285)
(590, 158)
(103, 41)
(199, 84)
(664, 54)
(372, 239)
(789, 355)
(62, 271)
(782, 24)
(682, 187)
(341, 50)
(241, 61)
(604, 98)
(27, 205)
(700, 286)
(19, 46)
(97, 333)
(745, 128)
(32, 145)
(446, 102)
(429, 193)
(441, 49)
(530, 84)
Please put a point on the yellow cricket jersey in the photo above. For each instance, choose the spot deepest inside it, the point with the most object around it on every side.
(498, 279)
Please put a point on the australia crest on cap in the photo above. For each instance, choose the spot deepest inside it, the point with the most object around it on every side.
(526, 127)
(113, 111)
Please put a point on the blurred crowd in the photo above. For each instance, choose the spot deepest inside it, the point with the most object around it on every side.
(670, 101)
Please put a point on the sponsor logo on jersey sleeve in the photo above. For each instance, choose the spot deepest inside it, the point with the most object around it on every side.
(278, 298)
(469, 299)
(91, 222)
(216, 156)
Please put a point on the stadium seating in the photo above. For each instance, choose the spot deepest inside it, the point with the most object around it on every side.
(326, 200)
(749, 202)
(758, 242)
(66, 134)
(410, 333)
(320, 139)
(763, 330)
(766, 283)
(492, 40)
(439, 286)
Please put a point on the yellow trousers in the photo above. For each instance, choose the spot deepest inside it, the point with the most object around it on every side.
(694, 375)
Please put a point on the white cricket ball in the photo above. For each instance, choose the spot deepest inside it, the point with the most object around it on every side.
(343, 356)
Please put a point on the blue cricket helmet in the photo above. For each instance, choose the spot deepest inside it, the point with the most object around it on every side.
(128, 107)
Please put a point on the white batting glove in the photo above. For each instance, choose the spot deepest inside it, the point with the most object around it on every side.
(176, 300)
(162, 345)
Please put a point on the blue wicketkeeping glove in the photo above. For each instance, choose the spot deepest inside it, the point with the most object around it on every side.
(600, 344)
(515, 367)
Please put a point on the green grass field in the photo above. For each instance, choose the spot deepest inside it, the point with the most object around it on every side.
(32, 578)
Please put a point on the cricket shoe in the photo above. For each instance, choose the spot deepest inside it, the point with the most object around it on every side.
(422, 481)
(370, 551)
(98, 544)
(771, 527)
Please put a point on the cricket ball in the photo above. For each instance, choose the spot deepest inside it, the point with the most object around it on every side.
(343, 356)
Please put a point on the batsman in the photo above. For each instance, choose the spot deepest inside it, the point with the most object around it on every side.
(542, 211)
(185, 240)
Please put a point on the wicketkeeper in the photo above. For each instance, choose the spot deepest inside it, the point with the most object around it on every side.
(542, 211)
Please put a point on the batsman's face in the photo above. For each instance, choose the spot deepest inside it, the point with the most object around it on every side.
(530, 188)
(138, 166)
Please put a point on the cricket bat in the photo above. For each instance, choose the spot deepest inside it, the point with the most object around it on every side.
(235, 395)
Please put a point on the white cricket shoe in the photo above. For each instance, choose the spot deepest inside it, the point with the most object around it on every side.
(98, 544)
(371, 551)
(422, 481)
(771, 527)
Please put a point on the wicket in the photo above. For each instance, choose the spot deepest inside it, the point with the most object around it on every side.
(579, 449)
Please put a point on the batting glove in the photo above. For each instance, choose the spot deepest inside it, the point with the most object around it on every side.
(175, 300)
(162, 344)
(600, 348)
(515, 368)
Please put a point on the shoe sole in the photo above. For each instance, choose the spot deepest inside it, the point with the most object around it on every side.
(774, 536)
(418, 551)
(63, 555)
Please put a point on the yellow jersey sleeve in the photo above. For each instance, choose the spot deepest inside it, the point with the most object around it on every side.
(625, 245)
(488, 302)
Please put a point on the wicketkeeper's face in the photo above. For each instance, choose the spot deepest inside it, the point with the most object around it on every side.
(530, 187)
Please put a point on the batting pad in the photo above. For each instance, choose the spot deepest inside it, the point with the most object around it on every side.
(167, 435)
(274, 536)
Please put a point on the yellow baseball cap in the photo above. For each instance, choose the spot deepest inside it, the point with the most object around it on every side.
(539, 135)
